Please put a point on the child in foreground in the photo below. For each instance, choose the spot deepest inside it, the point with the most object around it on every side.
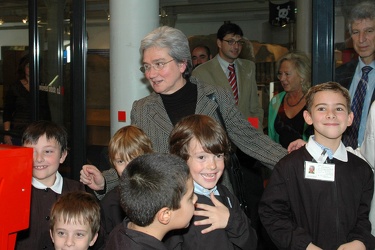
(329, 208)
(75, 221)
(49, 141)
(125, 145)
(157, 196)
(218, 221)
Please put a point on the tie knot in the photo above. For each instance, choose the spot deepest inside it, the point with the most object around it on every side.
(231, 67)
(366, 69)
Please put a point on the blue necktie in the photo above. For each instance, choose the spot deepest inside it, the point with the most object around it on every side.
(357, 106)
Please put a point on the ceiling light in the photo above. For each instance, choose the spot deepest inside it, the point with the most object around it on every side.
(1, 21)
(25, 20)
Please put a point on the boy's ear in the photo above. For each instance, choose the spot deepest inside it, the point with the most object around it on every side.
(350, 118)
(63, 156)
(92, 242)
(307, 117)
(51, 234)
(164, 215)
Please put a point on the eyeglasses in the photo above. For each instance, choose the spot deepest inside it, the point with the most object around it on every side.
(232, 42)
(156, 66)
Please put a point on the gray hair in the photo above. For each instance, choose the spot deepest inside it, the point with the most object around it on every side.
(302, 65)
(361, 11)
(172, 39)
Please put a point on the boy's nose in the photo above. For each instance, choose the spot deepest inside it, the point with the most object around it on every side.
(69, 241)
(39, 157)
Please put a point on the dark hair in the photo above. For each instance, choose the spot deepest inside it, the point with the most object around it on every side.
(52, 131)
(207, 131)
(21, 67)
(77, 207)
(172, 39)
(327, 86)
(361, 11)
(208, 52)
(151, 182)
(228, 28)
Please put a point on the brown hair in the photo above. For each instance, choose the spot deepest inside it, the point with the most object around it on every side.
(205, 129)
(74, 207)
(327, 86)
(128, 143)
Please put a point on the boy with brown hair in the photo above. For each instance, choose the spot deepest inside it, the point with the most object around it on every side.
(75, 221)
(50, 143)
(218, 221)
(329, 208)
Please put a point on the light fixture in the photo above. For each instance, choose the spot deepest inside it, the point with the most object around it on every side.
(25, 20)
(108, 15)
(1, 21)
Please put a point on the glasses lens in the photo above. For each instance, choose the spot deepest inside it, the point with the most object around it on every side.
(142, 69)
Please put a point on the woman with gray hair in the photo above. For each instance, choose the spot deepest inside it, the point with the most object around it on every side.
(285, 118)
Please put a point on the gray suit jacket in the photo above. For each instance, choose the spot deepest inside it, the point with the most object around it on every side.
(248, 101)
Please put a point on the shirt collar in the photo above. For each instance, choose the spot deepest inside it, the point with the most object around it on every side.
(315, 149)
(224, 64)
(198, 189)
(56, 187)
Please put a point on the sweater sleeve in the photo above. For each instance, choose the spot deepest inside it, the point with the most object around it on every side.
(246, 137)
(111, 181)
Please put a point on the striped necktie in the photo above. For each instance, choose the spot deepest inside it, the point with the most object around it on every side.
(357, 106)
(233, 82)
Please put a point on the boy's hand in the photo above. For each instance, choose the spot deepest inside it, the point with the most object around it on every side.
(92, 177)
(294, 145)
(217, 216)
(354, 245)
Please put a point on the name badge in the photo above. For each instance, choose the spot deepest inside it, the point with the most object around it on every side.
(319, 171)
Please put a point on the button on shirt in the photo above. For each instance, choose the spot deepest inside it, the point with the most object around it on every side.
(370, 89)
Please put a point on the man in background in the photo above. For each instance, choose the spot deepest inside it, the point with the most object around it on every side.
(361, 25)
(200, 54)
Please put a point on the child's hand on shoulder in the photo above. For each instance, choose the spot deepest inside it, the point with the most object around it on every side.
(92, 177)
(354, 245)
(217, 216)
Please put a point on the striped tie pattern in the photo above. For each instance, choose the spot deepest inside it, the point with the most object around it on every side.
(357, 106)
(233, 82)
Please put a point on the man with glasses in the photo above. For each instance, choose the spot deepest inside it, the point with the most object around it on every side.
(216, 71)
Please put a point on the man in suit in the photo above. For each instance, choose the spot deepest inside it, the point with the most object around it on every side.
(361, 25)
(216, 72)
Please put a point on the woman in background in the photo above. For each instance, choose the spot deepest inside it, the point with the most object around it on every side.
(17, 104)
(285, 119)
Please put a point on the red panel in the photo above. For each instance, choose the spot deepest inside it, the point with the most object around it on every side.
(121, 116)
(15, 192)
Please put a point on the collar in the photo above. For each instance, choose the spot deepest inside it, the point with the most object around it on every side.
(224, 64)
(361, 64)
(198, 189)
(56, 187)
(315, 149)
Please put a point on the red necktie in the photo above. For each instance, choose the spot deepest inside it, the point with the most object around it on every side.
(233, 82)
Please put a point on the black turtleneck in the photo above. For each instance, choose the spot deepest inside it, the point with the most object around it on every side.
(181, 103)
